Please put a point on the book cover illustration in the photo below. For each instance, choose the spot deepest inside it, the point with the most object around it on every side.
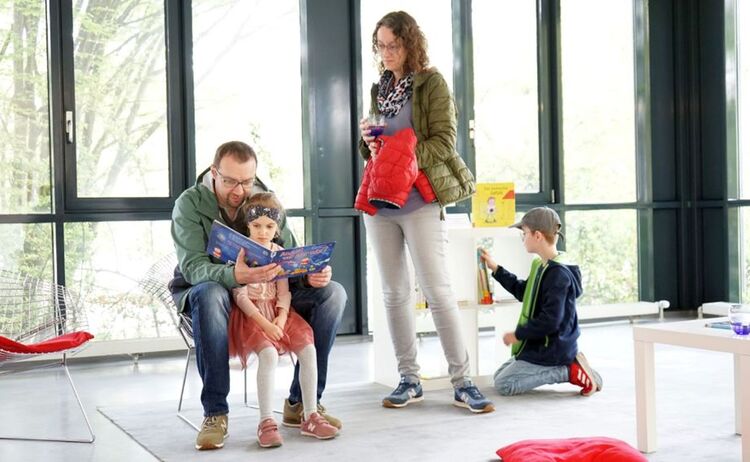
(494, 204)
(224, 244)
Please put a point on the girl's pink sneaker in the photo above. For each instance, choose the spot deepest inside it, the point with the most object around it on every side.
(268, 434)
(318, 427)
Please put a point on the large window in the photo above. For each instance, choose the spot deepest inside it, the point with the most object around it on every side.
(598, 148)
(247, 81)
(604, 244)
(24, 110)
(506, 99)
(116, 147)
(120, 91)
(104, 262)
(744, 234)
(598, 101)
(27, 248)
(742, 29)
(743, 90)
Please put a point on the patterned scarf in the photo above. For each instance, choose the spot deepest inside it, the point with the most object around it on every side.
(391, 99)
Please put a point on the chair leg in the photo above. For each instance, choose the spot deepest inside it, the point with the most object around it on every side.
(182, 392)
(80, 407)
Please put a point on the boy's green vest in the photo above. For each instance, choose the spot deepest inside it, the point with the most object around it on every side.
(530, 294)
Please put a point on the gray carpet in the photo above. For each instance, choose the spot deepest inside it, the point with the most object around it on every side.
(695, 417)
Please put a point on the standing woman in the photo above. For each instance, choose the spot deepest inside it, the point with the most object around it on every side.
(412, 96)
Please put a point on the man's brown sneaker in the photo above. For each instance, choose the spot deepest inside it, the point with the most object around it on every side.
(331, 419)
(213, 432)
(293, 415)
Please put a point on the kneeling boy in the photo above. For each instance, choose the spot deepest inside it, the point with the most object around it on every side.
(544, 348)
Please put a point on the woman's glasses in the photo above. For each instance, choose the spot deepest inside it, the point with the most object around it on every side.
(390, 48)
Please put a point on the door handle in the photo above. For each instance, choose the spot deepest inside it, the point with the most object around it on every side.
(69, 126)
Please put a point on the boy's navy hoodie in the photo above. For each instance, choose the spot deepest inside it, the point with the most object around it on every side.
(549, 336)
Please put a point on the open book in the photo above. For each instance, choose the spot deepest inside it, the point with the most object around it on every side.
(224, 243)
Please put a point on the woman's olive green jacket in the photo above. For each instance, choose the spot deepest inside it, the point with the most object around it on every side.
(434, 121)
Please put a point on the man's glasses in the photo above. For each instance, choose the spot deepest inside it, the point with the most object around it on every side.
(232, 183)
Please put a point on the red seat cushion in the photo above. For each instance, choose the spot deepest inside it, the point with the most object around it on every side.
(60, 343)
(594, 449)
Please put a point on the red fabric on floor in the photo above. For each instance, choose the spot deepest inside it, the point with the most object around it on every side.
(594, 449)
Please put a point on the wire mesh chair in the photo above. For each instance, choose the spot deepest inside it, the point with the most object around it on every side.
(40, 319)
(155, 283)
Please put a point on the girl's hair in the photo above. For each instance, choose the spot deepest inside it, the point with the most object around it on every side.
(410, 37)
(265, 200)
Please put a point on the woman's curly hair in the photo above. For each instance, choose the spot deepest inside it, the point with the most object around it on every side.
(409, 36)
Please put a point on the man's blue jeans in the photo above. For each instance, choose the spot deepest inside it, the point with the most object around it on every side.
(209, 303)
(322, 309)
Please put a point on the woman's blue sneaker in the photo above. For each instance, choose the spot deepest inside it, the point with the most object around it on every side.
(471, 398)
(405, 393)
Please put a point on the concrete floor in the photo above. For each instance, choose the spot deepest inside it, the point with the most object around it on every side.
(121, 380)
(30, 400)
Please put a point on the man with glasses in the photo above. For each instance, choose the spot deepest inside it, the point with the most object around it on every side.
(201, 287)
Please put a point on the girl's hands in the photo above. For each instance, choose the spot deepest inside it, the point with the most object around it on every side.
(280, 320)
(485, 256)
(272, 331)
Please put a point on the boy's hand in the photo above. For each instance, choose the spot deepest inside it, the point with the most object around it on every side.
(272, 331)
(280, 320)
(485, 256)
(510, 338)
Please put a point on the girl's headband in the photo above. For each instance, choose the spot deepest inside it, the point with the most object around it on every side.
(257, 211)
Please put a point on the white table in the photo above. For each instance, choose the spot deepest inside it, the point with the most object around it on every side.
(691, 334)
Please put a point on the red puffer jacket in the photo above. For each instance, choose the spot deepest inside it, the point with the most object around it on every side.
(389, 176)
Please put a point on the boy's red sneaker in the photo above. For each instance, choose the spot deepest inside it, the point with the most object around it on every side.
(584, 376)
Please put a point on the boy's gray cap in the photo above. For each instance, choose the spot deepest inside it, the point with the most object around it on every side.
(542, 219)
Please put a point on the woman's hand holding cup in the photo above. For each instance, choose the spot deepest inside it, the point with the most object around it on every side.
(370, 128)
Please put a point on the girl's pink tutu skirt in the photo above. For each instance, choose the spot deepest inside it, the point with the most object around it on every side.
(246, 336)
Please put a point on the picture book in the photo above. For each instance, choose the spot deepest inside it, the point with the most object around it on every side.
(484, 281)
(224, 243)
(494, 204)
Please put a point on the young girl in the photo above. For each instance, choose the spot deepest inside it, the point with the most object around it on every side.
(266, 325)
